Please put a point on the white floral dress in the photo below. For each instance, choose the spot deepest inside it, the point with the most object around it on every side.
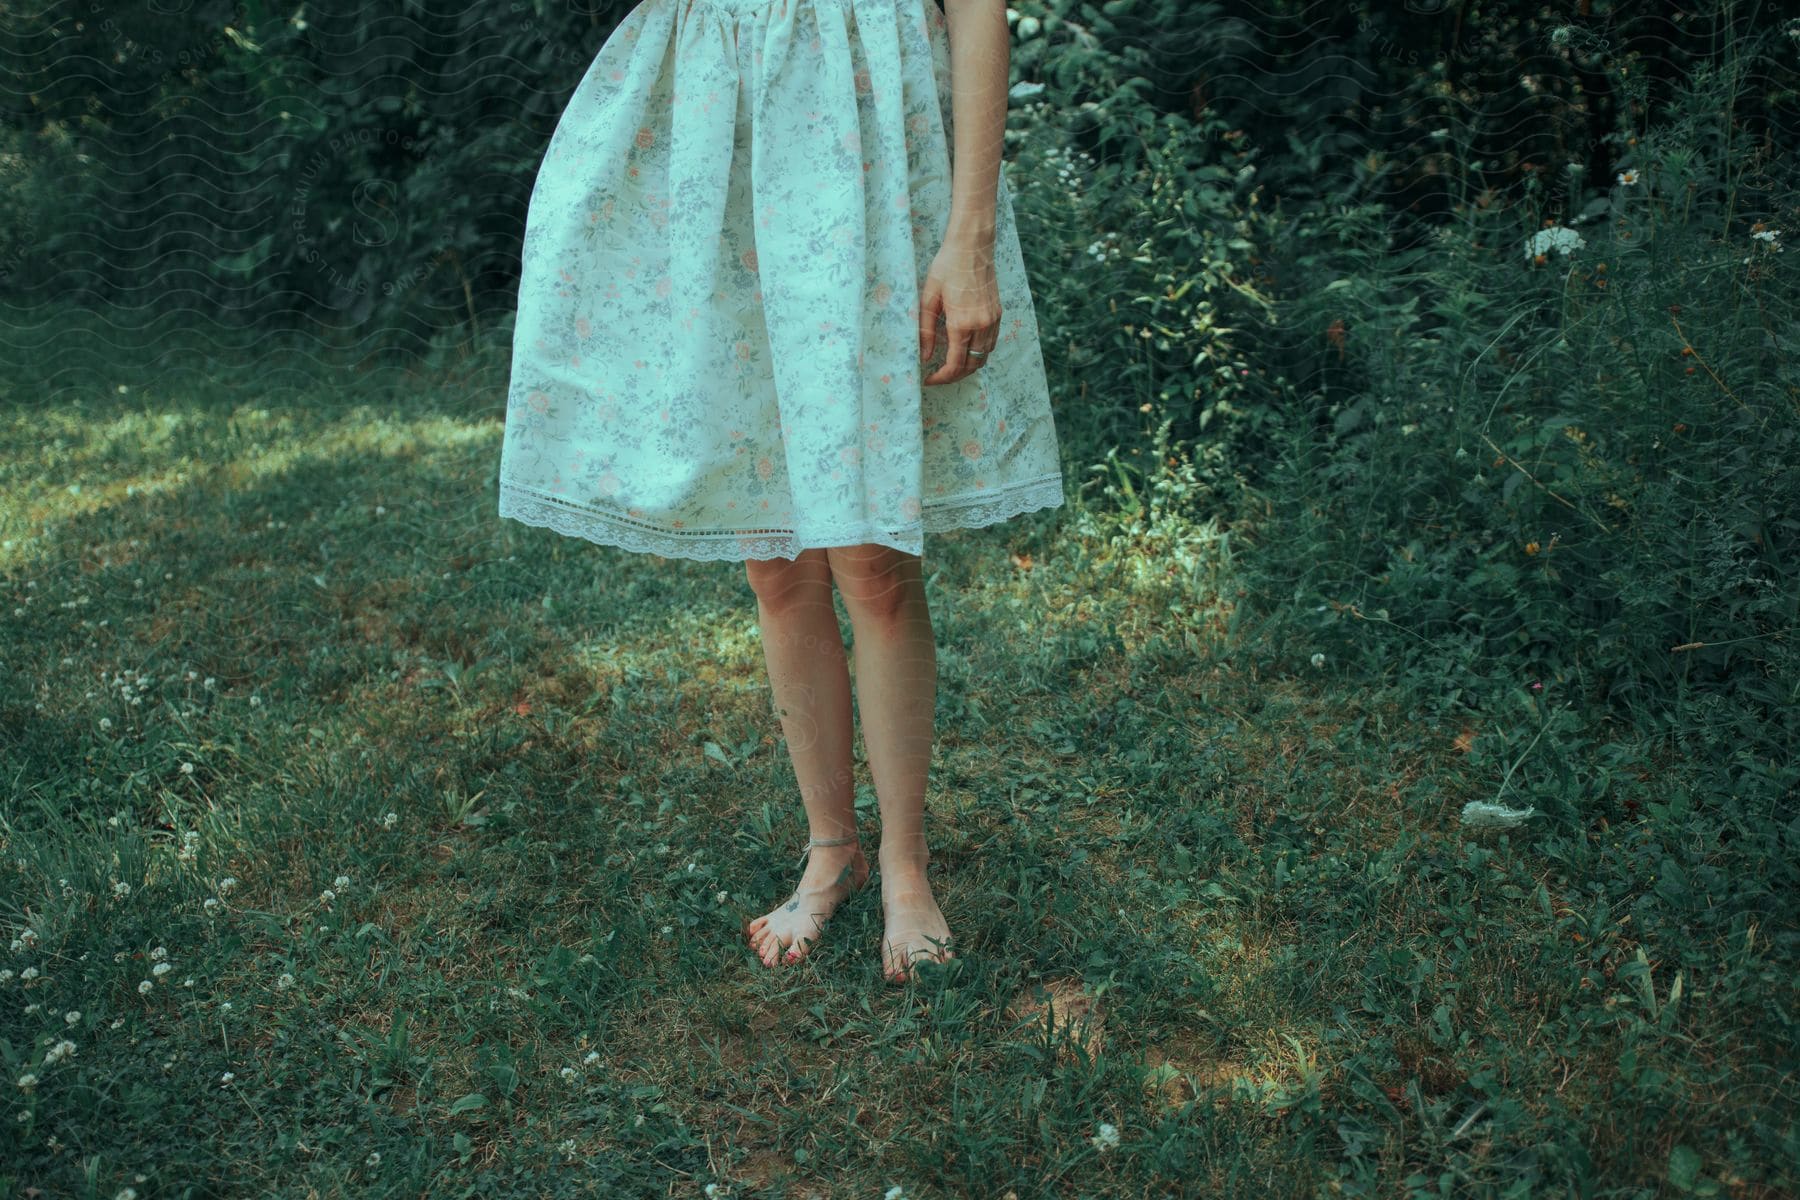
(716, 353)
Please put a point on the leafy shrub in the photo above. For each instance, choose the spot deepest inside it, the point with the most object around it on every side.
(1567, 473)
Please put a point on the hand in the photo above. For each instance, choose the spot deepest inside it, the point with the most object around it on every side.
(960, 290)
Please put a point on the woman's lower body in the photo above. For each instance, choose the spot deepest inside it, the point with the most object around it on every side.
(716, 356)
(896, 693)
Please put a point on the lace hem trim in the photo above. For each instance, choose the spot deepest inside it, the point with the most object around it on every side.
(705, 545)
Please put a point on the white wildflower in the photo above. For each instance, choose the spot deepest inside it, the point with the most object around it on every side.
(1556, 237)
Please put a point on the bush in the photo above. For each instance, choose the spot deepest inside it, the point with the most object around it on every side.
(1571, 474)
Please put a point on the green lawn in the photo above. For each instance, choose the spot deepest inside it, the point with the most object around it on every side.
(363, 843)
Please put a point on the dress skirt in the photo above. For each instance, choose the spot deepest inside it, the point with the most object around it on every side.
(716, 353)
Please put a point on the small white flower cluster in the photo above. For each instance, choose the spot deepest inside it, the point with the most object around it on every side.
(1026, 27)
(1107, 247)
(132, 685)
(190, 840)
(58, 1052)
(1556, 237)
(341, 883)
(391, 820)
(1107, 1138)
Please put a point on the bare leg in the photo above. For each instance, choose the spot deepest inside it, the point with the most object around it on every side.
(810, 681)
(896, 693)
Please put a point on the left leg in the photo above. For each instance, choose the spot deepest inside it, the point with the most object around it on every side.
(894, 660)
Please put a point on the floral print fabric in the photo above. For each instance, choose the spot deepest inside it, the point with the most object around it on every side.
(716, 353)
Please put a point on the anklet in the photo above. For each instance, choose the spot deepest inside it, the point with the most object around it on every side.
(811, 842)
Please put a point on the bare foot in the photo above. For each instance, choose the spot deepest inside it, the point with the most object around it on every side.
(913, 922)
(832, 873)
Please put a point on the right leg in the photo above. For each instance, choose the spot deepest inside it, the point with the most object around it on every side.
(809, 676)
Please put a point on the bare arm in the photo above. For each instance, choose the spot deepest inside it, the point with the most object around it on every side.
(980, 50)
(961, 288)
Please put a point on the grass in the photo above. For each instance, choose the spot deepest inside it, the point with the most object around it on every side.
(493, 804)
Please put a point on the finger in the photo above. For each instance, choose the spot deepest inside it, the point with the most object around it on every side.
(931, 304)
(956, 359)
